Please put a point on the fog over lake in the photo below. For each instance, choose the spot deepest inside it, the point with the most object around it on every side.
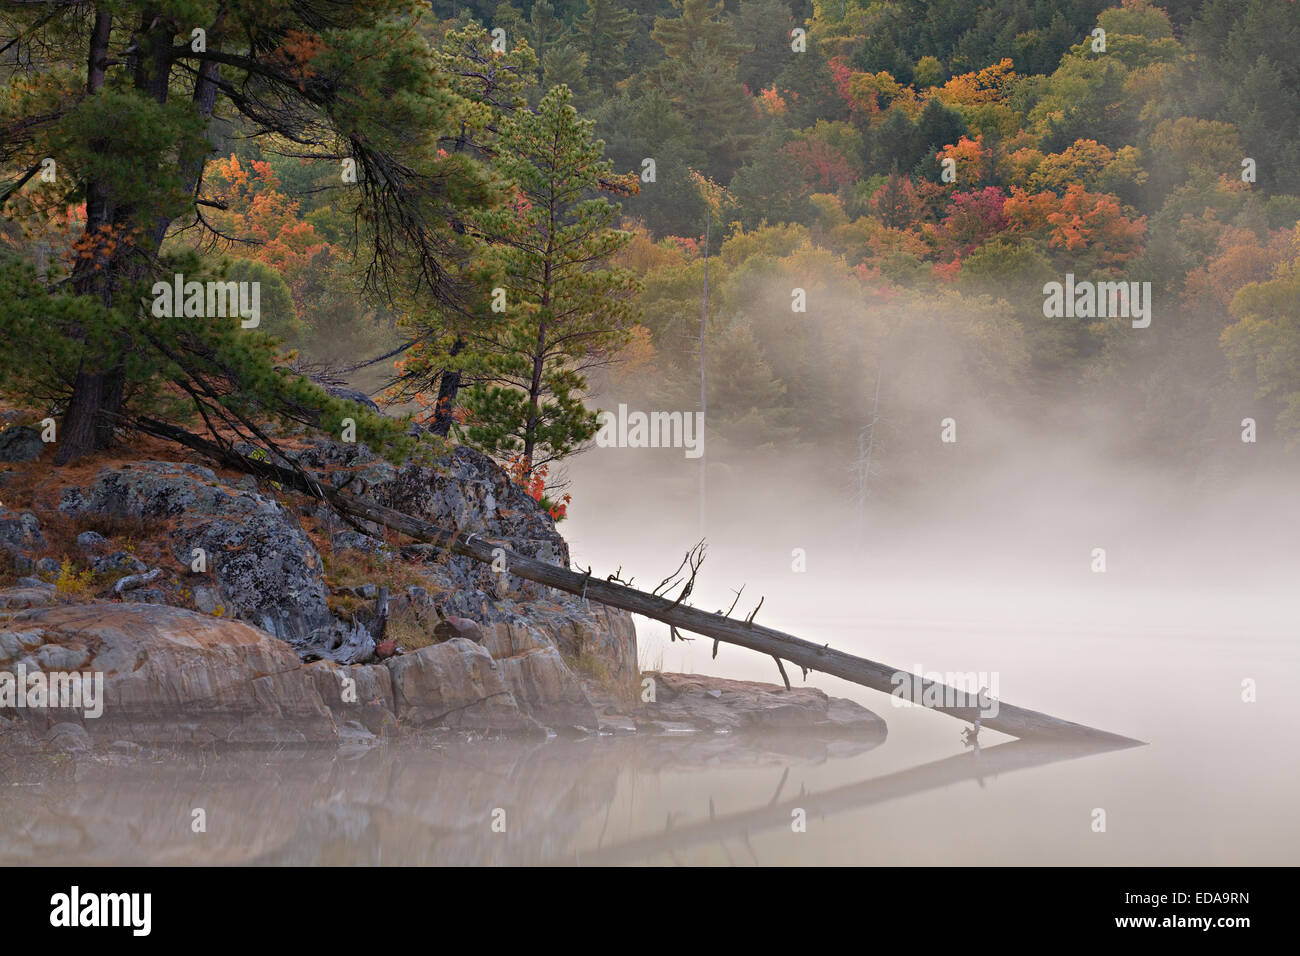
(1198, 596)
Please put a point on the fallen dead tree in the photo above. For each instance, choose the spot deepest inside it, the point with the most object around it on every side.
(994, 715)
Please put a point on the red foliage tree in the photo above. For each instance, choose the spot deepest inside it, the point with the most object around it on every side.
(822, 167)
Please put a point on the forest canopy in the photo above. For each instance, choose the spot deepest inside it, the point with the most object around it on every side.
(494, 216)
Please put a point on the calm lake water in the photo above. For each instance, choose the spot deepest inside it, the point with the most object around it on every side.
(1157, 648)
(1217, 782)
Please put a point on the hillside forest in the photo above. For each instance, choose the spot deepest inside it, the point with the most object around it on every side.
(500, 218)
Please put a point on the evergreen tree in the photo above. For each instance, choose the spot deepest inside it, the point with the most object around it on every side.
(669, 205)
(722, 120)
(892, 143)
(440, 359)
(936, 127)
(123, 98)
(566, 307)
(765, 188)
(700, 22)
(604, 29)
(764, 26)
(565, 65)
(806, 84)
(699, 76)
(545, 31)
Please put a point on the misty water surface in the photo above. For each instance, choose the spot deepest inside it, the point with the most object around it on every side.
(1199, 595)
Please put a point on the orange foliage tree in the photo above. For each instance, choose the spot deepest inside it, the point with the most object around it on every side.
(1078, 222)
(257, 211)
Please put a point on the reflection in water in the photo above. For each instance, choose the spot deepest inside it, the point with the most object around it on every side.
(608, 800)
(975, 765)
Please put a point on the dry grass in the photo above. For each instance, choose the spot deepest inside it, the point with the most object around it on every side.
(650, 659)
(345, 569)
(345, 605)
(126, 534)
(626, 691)
(8, 570)
(413, 628)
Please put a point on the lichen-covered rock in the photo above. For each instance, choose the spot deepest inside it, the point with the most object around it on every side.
(466, 490)
(264, 570)
(19, 530)
(157, 489)
(122, 562)
(20, 443)
(469, 491)
(92, 541)
(267, 571)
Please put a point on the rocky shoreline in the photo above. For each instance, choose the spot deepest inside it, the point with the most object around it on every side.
(223, 612)
(174, 677)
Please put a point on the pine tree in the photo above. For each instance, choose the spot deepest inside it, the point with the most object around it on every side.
(766, 189)
(565, 64)
(699, 75)
(700, 22)
(123, 98)
(440, 360)
(545, 31)
(604, 29)
(566, 307)
(764, 26)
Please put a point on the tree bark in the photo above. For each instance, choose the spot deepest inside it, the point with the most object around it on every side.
(99, 387)
(444, 412)
(79, 433)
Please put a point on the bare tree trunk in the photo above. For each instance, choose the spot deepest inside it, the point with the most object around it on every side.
(444, 412)
(80, 432)
(704, 389)
(535, 398)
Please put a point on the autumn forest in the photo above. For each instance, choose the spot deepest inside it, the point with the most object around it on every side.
(499, 217)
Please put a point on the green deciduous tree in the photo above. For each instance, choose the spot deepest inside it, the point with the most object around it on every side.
(1264, 343)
